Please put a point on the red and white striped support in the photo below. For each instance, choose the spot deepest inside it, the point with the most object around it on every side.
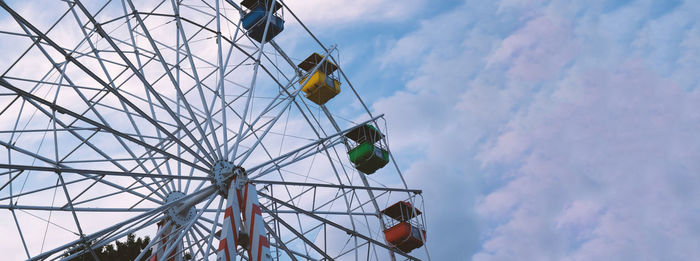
(259, 245)
(162, 244)
(243, 200)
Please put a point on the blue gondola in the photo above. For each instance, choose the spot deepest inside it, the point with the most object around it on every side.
(254, 21)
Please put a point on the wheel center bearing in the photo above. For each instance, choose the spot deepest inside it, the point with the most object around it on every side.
(183, 217)
(223, 172)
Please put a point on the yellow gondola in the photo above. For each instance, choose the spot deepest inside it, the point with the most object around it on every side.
(321, 86)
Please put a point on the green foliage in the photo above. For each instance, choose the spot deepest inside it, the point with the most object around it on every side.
(127, 250)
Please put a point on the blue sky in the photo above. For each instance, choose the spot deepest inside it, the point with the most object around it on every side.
(539, 130)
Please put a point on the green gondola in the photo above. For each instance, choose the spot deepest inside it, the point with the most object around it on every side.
(367, 157)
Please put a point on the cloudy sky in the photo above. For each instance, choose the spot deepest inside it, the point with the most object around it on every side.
(538, 130)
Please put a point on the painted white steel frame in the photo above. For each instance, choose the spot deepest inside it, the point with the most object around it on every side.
(170, 139)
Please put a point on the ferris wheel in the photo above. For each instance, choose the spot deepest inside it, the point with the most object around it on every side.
(200, 124)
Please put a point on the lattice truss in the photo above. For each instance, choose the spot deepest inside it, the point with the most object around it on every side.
(114, 116)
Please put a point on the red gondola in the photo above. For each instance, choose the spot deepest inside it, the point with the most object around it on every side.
(403, 233)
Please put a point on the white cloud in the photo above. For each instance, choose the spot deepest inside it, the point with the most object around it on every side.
(614, 148)
(557, 125)
(542, 129)
(343, 12)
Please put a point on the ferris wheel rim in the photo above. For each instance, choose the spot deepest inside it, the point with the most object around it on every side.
(200, 162)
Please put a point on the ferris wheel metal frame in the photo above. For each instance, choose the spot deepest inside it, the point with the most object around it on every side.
(130, 119)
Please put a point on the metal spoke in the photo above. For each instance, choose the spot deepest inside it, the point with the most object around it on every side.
(129, 116)
(299, 210)
(299, 235)
(306, 147)
(92, 122)
(80, 65)
(98, 172)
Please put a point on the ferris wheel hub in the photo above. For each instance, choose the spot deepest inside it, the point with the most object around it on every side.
(223, 172)
(181, 217)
